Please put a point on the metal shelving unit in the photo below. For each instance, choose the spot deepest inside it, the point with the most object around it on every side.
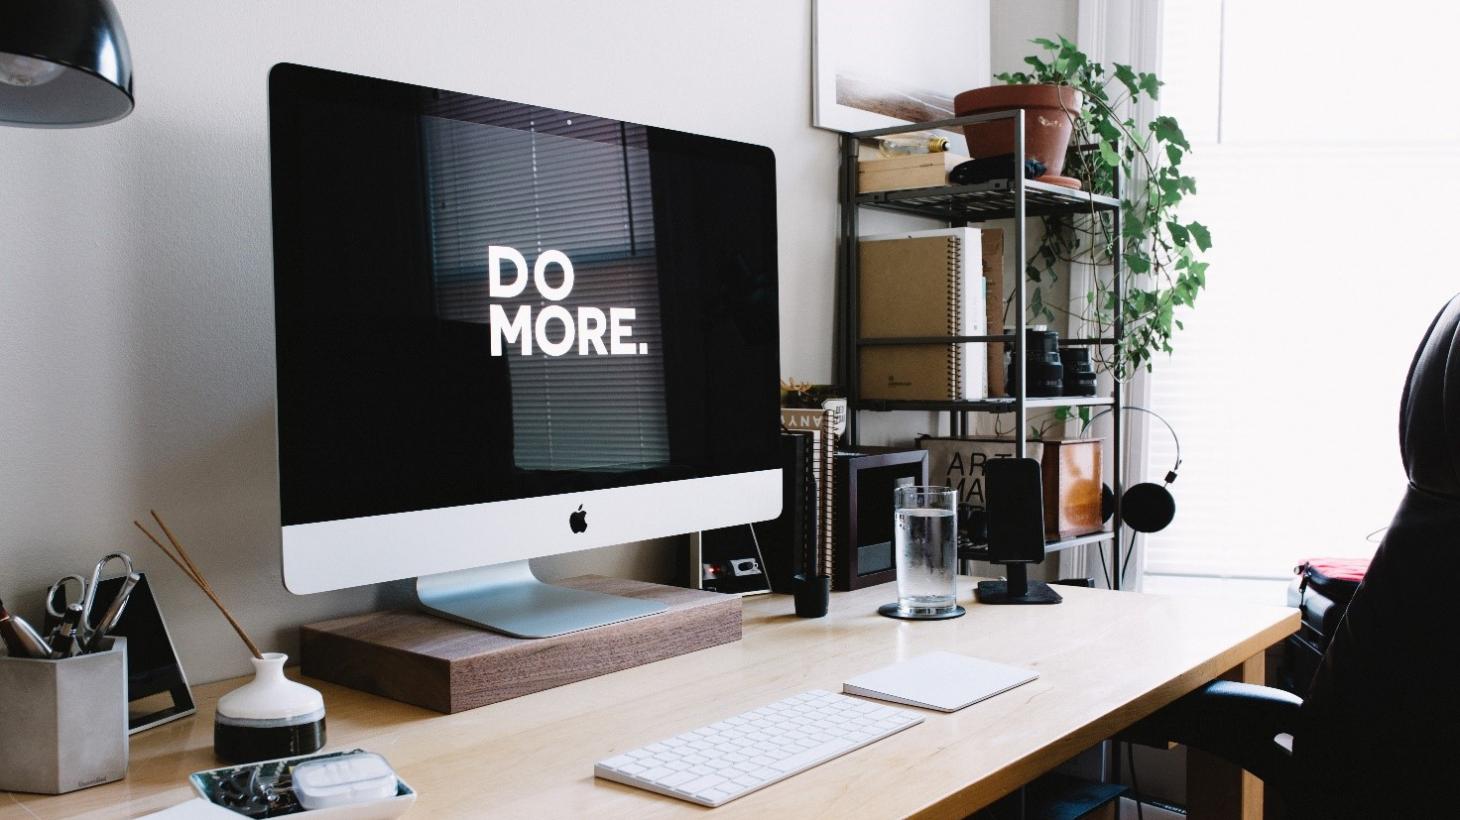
(993, 405)
(959, 205)
(984, 201)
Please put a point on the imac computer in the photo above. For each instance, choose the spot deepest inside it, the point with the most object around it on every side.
(505, 331)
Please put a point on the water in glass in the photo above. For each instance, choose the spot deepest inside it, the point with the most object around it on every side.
(926, 541)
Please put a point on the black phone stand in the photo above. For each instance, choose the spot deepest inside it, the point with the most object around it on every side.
(1018, 589)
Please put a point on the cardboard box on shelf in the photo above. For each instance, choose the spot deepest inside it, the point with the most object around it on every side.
(908, 171)
(992, 248)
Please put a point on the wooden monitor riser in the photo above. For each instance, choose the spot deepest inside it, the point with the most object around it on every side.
(422, 659)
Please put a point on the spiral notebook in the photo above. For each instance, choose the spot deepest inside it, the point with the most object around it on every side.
(939, 680)
(926, 283)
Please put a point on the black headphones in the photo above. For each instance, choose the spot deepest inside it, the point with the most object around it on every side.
(1146, 507)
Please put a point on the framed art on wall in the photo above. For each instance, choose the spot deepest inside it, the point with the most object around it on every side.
(877, 63)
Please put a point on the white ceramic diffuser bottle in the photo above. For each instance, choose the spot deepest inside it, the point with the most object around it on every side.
(268, 717)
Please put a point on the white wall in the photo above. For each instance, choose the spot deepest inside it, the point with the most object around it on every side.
(136, 352)
(136, 347)
(1013, 23)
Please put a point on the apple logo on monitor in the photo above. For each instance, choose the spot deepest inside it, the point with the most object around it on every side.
(578, 521)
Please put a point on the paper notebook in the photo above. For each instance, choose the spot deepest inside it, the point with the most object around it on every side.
(924, 283)
(939, 680)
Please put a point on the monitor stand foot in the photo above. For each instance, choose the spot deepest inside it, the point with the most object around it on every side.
(509, 598)
(997, 592)
(1017, 589)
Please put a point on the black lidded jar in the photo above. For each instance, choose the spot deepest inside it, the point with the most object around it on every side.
(1079, 371)
(1041, 362)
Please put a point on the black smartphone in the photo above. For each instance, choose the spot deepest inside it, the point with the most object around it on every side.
(1015, 491)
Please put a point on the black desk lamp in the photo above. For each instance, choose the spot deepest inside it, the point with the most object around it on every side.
(63, 64)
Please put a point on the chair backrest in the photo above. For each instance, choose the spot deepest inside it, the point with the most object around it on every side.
(1385, 704)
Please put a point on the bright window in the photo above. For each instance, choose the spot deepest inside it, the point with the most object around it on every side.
(1331, 201)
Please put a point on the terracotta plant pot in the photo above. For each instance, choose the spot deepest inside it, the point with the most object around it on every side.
(1049, 112)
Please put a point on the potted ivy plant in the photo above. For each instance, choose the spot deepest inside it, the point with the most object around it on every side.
(1162, 254)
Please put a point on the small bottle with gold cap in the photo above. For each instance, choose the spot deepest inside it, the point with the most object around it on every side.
(917, 142)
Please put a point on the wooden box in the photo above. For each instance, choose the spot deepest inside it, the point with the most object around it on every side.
(428, 661)
(1071, 476)
(908, 171)
(1071, 487)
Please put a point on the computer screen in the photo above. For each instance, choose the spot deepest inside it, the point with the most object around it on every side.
(481, 302)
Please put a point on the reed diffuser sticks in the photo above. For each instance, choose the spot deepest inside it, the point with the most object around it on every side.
(185, 563)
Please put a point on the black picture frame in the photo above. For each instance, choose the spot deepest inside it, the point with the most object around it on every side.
(862, 519)
(157, 688)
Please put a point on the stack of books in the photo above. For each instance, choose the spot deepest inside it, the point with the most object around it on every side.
(820, 426)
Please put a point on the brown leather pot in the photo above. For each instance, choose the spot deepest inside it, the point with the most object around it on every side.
(1049, 112)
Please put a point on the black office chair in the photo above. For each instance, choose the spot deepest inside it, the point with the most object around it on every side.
(1377, 735)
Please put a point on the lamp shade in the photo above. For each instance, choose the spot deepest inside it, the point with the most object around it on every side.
(63, 63)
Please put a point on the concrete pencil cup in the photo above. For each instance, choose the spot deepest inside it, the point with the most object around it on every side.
(63, 723)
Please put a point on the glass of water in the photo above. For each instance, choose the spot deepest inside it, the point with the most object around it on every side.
(925, 546)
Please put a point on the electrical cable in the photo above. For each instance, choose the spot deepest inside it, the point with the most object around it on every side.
(760, 557)
(1130, 551)
(1152, 413)
(1135, 788)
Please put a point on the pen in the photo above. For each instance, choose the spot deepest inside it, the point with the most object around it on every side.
(27, 640)
(64, 644)
(113, 613)
(13, 645)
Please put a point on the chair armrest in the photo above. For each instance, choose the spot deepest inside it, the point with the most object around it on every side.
(1238, 722)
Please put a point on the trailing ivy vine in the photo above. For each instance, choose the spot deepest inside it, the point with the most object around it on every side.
(1162, 253)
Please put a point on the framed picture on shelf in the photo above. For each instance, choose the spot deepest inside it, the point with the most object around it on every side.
(878, 63)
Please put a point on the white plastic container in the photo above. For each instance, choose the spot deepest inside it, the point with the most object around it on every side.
(344, 781)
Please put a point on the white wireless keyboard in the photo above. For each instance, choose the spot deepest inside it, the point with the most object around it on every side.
(720, 762)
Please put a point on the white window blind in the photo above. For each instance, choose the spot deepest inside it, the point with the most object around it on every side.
(1330, 201)
(582, 189)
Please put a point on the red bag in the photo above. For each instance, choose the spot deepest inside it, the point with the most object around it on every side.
(1335, 578)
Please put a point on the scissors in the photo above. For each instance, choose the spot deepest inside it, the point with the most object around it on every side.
(57, 597)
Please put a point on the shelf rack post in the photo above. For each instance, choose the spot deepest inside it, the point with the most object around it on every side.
(1020, 353)
(1117, 261)
(850, 307)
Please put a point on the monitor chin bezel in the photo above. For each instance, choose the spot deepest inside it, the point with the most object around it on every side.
(330, 555)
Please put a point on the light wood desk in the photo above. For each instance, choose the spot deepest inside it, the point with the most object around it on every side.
(1105, 660)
